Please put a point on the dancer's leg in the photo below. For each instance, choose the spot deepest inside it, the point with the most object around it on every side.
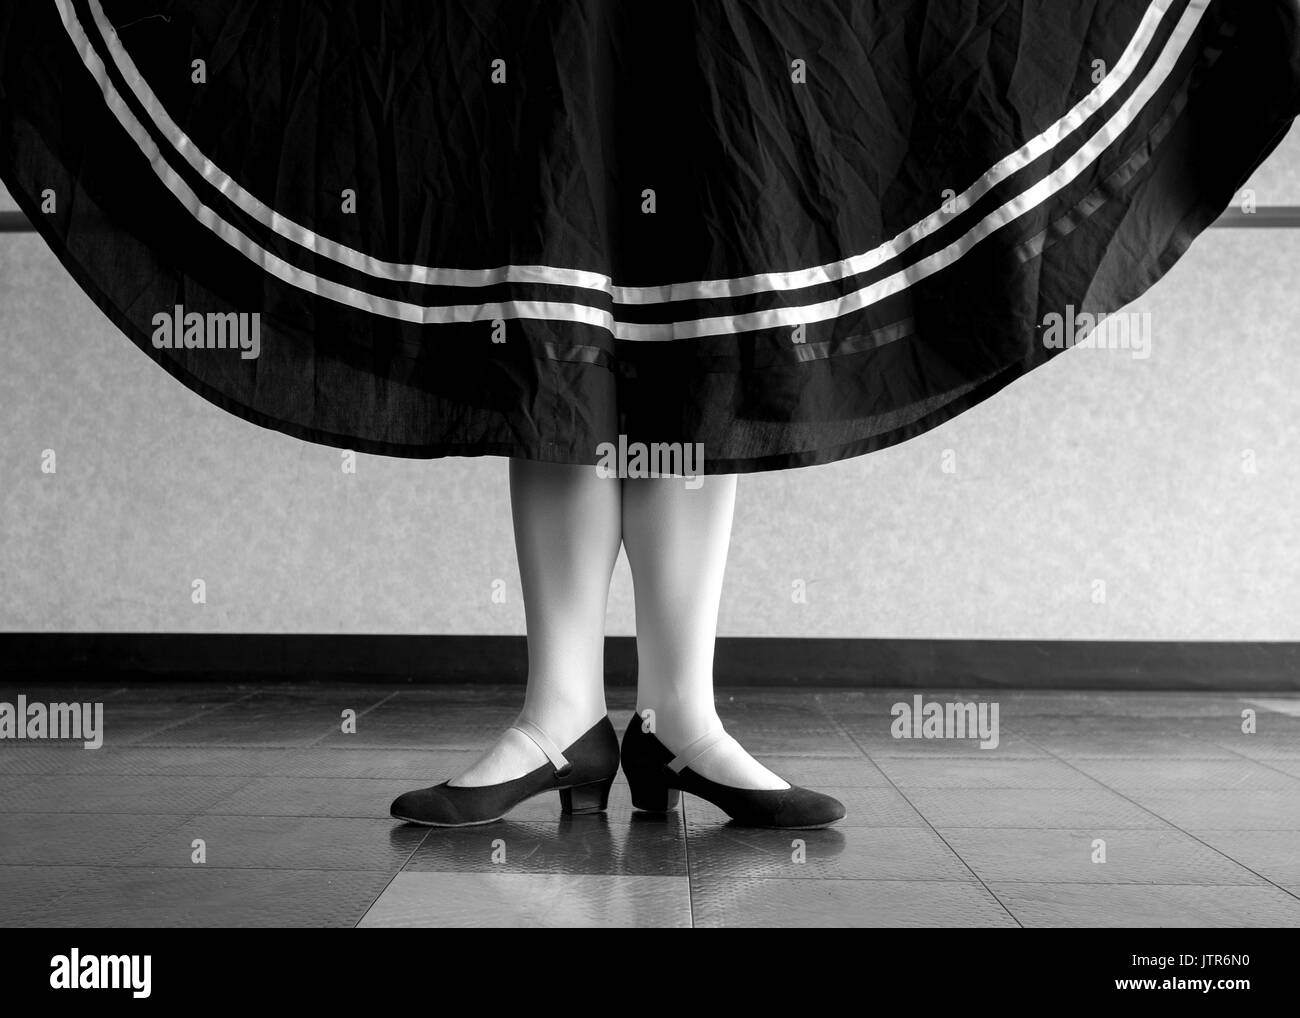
(676, 540)
(567, 523)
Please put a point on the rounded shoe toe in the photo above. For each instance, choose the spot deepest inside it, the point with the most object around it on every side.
(806, 808)
(423, 806)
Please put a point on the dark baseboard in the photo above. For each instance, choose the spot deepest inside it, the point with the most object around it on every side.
(32, 659)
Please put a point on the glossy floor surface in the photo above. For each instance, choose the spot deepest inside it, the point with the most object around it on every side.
(1094, 809)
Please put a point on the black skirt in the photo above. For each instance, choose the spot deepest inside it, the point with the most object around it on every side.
(782, 231)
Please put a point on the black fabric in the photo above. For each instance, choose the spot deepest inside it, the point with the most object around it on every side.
(905, 104)
(646, 760)
(593, 758)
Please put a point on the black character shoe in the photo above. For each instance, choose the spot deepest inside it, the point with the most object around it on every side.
(582, 774)
(656, 778)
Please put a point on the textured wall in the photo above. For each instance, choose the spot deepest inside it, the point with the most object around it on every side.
(1096, 467)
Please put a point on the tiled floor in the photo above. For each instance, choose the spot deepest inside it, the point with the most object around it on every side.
(1095, 809)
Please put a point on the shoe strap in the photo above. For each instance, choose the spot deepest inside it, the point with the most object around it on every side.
(545, 744)
(697, 749)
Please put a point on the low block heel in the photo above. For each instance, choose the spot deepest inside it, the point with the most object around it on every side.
(651, 794)
(589, 798)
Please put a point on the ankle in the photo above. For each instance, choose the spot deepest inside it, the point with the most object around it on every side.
(564, 723)
(677, 726)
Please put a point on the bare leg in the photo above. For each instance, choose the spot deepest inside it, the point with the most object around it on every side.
(567, 532)
(676, 541)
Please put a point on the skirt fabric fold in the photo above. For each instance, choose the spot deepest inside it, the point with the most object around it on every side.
(785, 232)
